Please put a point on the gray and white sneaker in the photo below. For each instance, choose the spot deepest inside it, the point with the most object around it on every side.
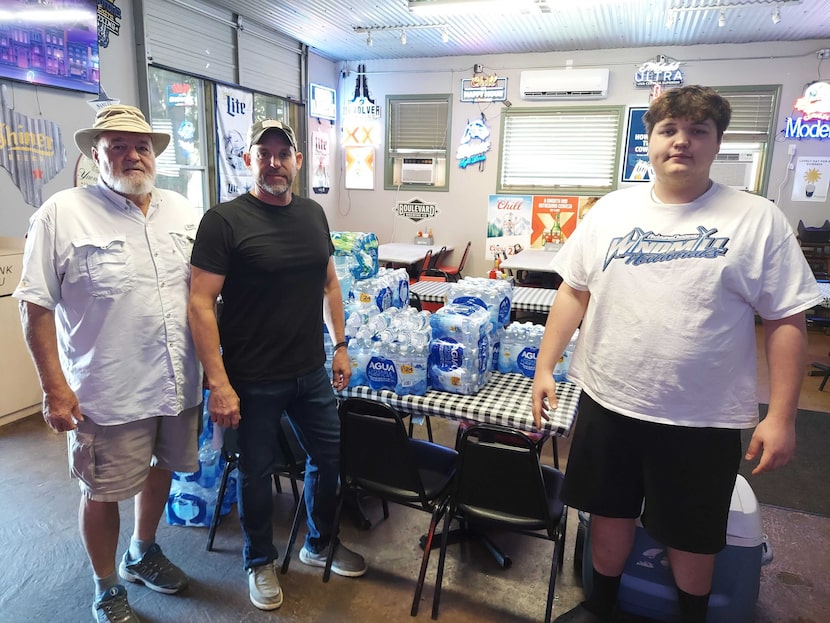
(112, 607)
(345, 562)
(264, 586)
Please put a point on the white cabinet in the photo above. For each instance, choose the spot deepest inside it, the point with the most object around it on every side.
(20, 393)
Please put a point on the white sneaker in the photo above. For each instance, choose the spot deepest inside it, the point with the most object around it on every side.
(264, 586)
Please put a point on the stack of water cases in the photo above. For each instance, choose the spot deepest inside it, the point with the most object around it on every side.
(460, 359)
(193, 495)
(389, 349)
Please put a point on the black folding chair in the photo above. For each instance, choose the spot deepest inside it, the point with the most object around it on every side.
(500, 483)
(378, 457)
(290, 464)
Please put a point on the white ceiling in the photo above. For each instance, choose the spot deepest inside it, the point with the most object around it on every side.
(328, 26)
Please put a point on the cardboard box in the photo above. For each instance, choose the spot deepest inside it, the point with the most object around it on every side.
(647, 587)
(11, 264)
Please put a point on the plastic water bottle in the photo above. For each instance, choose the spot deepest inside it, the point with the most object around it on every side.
(560, 370)
(360, 351)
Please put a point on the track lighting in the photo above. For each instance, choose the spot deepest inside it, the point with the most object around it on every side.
(369, 41)
(776, 15)
(722, 19)
(445, 36)
(403, 37)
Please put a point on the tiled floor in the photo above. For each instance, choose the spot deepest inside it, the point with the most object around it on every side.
(46, 576)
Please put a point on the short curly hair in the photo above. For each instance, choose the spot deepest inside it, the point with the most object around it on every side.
(693, 102)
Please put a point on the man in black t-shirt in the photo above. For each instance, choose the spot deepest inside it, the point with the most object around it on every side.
(269, 254)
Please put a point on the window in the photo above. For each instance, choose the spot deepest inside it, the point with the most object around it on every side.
(177, 106)
(560, 150)
(744, 158)
(417, 139)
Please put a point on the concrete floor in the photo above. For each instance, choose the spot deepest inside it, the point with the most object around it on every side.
(46, 576)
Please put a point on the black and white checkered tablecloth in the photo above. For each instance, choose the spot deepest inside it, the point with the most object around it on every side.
(504, 400)
(536, 300)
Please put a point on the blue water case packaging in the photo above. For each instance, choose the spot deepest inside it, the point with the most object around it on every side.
(647, 587)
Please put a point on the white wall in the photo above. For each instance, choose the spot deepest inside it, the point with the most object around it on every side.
(463, 210)
(71, 112)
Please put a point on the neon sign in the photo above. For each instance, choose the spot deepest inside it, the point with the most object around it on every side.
(661, 71)
(475, 142)
(814, 107)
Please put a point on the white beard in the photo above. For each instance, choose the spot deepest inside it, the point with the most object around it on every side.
(128, 186)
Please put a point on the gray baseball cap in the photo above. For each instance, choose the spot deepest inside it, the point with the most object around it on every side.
(258, 130)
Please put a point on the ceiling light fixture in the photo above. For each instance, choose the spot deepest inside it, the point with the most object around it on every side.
(722, 6)
(722, 18)
(776, 15)
(401, 29)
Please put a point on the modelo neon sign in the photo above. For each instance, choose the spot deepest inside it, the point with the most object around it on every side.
(814, 107)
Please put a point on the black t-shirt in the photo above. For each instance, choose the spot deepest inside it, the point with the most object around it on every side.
(274, 259)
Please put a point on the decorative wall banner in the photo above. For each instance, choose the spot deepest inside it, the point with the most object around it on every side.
(360, 167)
(234, 115)
(416, 209)
(812, 176)
(554, 219)
(636, 167)
(483, 88)
(31, 150)
(108, 16)
(475, 142)
(321, 159)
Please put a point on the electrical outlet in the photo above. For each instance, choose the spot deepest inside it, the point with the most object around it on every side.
(822, 54)
(791, 149)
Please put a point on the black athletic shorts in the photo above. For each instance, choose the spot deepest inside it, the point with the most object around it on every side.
(680, 477)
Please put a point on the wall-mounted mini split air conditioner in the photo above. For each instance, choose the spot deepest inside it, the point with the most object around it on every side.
(564, 84)
(418, 171)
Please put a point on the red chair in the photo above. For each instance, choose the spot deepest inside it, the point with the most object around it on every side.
(423, 268)
(454, 272)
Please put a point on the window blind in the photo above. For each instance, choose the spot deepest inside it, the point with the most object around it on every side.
(556, 148)
(418, 126)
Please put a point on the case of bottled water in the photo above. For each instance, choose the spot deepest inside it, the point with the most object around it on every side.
(520, 347)
(496, 296)
(362, 247)
(560, 370)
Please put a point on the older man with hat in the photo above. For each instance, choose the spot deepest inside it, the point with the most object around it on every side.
(269, 253)
(103, 300)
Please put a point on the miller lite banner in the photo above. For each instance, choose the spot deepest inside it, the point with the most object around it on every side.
(234, 115)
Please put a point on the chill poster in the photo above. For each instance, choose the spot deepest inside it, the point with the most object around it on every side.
(508, 224)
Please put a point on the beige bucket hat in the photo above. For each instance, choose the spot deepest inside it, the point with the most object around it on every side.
(119, 118)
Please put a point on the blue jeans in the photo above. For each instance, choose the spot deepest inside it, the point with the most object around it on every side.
(312, 408)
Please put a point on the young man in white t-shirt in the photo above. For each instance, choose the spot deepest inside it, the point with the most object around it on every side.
(664, 281)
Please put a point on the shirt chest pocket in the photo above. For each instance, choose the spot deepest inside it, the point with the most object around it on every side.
(105, 261)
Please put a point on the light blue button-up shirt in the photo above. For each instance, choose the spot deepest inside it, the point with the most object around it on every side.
(118, 282)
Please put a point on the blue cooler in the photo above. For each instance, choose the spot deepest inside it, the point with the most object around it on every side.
(647, 587)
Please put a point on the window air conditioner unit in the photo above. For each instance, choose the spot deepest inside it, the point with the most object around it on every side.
(564, 84)
(418, 171)
(736, 169)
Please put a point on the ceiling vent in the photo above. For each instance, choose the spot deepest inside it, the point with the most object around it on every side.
(564, 84)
